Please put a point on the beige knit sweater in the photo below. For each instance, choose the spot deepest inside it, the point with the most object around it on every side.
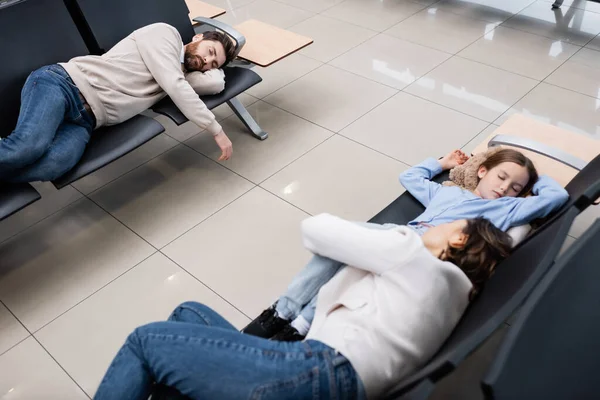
(139, 71)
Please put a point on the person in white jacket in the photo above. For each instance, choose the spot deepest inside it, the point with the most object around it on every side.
(377, 320)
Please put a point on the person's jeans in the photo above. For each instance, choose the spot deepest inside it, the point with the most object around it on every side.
(203, 356)
(52, 130)
(300, 298)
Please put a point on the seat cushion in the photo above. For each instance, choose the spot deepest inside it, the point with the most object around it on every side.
(14, 197)
(237, 80)
(110, 143)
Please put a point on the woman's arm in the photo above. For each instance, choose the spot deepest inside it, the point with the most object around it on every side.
(547, 197)
(362, 247)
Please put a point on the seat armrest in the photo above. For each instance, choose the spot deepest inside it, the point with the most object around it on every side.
(239, 39)
(540, 148)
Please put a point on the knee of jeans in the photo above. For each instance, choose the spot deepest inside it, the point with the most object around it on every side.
(57, 169)
(24, 155)
(188, 307)
(59, 164)
(134, 341)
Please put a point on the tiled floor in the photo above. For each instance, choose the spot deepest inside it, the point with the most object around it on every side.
(386, 84)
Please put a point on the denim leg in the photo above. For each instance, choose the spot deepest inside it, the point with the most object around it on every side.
(62, 155)
(47, 100)
(207, 362)
(308, 311)
(195, 313)
(305, 286)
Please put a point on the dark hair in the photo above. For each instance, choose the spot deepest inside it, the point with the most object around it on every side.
(485, 247)
(510, 155)
(228, 44)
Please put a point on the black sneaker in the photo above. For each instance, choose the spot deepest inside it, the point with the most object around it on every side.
(266, 324)
(288, 334)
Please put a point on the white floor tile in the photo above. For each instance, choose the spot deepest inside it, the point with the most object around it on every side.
(178, 189)
(473, 88)
(340, 177)
(27, 372)
(248, 252)
(48, 269)
(52, 200)
(520, 52)
(11, 330)
(411, 129)
(85, 339)
(256, 160)
(330, 97)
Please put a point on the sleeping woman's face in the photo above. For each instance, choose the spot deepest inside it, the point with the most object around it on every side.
(506, 179)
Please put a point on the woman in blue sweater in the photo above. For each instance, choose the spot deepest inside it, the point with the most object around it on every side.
(505, 179)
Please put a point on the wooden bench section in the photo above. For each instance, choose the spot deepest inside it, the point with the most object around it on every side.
(200, 9)
(576, 144)
(267, 44)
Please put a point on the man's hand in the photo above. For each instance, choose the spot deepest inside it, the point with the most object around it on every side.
(225, 145)
(452, 159)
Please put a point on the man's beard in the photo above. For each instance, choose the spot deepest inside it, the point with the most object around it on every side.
(192, 62)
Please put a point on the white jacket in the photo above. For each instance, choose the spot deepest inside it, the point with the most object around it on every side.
(392, 308)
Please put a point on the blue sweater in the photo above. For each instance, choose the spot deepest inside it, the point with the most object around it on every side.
(450, 203)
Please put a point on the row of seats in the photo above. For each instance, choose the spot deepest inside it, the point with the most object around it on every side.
(551, 351)
(73, 28)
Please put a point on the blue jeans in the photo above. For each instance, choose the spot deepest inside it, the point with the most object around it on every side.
(300, 298)
(52, 130)
(203, 356)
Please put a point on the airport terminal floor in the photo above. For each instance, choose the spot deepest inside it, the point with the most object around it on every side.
(385, 85)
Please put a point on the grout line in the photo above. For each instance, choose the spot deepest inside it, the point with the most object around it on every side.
(61, 367)
(16, 344)
(43, 219)
(408, 165)
(133, 169)
(404, 18)
(31, 335)
(312, 11)
(21, 323)
(94, 292)
(539, 83)
(447, 107)
(206, 286)
(568, 89)
(212, 214)
(498, 68)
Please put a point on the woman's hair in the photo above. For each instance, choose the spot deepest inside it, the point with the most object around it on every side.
(485, 247)
(510, 155)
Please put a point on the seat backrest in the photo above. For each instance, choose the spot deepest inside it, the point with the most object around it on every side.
(511, 283)
(34, 33)
(584, 180)
(551, 351)
(109, 21)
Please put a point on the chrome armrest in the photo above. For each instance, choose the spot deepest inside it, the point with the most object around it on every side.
(239, 39)
(540, 148)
